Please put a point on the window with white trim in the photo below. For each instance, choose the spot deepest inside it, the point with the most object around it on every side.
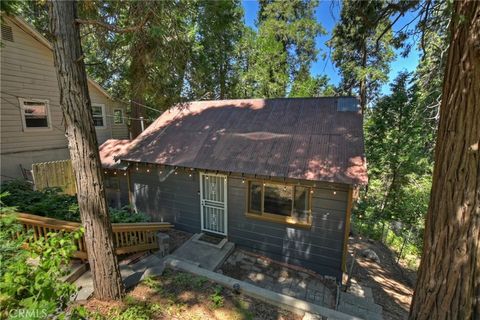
(35, 114)
(98, 112)
(118, 116)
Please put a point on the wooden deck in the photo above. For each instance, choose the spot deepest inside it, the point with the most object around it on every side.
(127, 237)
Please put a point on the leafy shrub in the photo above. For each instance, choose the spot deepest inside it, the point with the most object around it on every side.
(52, 203)
(127, 215)
(216, 297)
(49, 202)
(29, 282)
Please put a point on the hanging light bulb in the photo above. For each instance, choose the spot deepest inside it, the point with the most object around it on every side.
(125, 174)
(115, 172)
(243, 180)
(148, 170)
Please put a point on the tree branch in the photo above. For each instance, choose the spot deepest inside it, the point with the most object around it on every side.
(114, 28)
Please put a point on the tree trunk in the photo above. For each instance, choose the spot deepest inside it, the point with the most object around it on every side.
(448, 285)
(363, 81)
(82, 143)
(138, 74)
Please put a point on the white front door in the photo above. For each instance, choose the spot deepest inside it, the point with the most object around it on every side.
(213, 203)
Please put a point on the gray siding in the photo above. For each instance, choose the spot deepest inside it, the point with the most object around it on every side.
(319, 248)
(117, 197)
(175, 200)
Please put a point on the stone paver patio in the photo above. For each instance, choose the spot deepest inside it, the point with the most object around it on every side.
(273, 276)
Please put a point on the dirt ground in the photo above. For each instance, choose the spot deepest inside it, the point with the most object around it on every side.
(179, 295)
(392, 285)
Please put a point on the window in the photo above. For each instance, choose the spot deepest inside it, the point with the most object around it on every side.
(35, 114)
(98, 112)
(279, 203)
(118, 116)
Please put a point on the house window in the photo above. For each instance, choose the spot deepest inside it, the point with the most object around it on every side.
(35, 114)
(98, 112)
(118, 116)
(279, 203)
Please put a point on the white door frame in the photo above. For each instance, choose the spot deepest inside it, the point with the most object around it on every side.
(225, 206)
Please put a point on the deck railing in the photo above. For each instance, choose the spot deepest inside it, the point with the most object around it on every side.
(127, 237)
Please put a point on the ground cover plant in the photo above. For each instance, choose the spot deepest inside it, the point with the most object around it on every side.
(52, 203)
(180, 295)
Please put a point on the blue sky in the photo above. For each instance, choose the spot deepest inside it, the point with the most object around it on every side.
(327, 14)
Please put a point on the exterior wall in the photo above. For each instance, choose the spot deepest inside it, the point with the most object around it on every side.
(116, 189)
(27, 71)
(176, 199)
(320, 248)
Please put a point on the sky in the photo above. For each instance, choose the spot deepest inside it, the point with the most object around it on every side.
(328, 13)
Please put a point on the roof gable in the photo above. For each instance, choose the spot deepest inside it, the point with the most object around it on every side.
(30, 30)
(300, 138)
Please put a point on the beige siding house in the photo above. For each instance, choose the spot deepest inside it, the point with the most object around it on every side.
(31, 123)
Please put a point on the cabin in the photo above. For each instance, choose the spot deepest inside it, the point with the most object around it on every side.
(32, 128)
(275, 176)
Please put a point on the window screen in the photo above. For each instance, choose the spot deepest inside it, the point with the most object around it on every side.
(35, 114)
(255, 197)
(97, 112)
(278, 199)
(118, 116)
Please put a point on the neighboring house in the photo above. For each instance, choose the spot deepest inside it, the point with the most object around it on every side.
(278, 176)
(32, 129)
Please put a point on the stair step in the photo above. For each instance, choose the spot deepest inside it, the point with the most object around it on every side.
(348, 298)
(359, 312)
(150, 261)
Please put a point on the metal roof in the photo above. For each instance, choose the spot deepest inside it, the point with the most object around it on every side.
(109, 150)
(299, 138)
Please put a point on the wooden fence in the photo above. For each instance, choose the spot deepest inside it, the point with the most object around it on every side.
(54, 174)
(127, 237)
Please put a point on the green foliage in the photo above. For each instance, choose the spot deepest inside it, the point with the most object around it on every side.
(400, 167)
(216, 298)
(52, 203)
(363, 44)
(29, 282)
(49, 202)
(211, 72)
(126, 214)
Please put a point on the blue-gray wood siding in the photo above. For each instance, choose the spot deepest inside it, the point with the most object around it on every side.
(177, 200)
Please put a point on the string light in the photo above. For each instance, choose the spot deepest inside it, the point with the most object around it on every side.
(148, 170)
(334, 192)
(125, 174)
(115, 172)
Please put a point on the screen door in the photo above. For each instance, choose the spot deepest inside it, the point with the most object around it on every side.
(213, 203)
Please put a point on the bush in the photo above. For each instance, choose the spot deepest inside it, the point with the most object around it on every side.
(52, 203)
(127, 215)
(49, 203)
(29, 282)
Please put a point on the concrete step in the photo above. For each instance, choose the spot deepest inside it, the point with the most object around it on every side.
(348, 298)
(359, 312)
(147, 262)
(360, 291)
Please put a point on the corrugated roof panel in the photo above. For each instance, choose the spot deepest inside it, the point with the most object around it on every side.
(305, 138)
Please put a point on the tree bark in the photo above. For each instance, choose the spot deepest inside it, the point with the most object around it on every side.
(363, 81)
(82, 143)
(448, 285)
